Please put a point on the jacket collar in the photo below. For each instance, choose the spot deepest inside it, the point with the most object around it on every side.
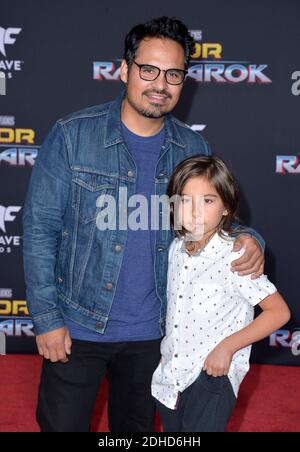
(113, 132)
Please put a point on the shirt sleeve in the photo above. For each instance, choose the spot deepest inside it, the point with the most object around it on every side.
(252, 290)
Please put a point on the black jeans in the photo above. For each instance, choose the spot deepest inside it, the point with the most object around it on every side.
(205, 406)
(68, 392)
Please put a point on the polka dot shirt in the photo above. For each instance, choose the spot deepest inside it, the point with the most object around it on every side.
(206, 303)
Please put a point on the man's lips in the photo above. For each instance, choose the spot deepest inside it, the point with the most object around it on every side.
(157, 98)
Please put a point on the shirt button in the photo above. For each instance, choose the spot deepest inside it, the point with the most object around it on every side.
(186, 267)
(130, 174)
(180, 296)
(109, 285)
(175, 326)
(118, 248)
(176, 356)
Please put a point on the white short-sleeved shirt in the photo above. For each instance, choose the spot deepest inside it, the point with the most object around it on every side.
(206, 303)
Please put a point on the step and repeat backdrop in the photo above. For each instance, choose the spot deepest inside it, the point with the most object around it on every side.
(242, 93)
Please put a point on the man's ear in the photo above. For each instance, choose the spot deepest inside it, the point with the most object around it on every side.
(124, 71)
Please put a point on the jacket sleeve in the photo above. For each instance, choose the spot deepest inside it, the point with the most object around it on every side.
(42, 225)
(246, 230)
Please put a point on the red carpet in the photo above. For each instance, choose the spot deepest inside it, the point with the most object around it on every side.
(269, 399)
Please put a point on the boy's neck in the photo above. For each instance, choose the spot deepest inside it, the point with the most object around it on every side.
(193, 246)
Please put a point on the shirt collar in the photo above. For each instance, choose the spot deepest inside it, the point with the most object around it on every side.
(215, 245)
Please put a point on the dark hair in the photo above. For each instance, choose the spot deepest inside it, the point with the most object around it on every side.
(160, 27)
(218, 174)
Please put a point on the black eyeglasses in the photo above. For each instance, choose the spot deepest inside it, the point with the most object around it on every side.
(150, 73)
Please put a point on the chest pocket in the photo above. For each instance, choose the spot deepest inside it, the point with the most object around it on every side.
(207, 298)
(88, 188)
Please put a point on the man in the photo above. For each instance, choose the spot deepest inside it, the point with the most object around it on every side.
(98, 296)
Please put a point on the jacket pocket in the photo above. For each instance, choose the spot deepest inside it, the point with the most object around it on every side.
(88, 188)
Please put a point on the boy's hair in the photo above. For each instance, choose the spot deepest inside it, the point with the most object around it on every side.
(160, 27)
(217, 173)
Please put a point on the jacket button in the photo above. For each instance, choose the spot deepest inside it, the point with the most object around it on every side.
(109, 285)
(118, 248)
(130, 174)
(65, 233)
(60, 280)
(99, 325)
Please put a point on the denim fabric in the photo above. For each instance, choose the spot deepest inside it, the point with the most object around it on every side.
(70, 265)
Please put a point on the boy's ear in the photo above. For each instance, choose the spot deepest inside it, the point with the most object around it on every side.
(124, 71)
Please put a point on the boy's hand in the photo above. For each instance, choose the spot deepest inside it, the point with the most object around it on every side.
(252, 261)
(218, 361)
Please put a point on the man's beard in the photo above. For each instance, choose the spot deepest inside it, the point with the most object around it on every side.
(155, 111)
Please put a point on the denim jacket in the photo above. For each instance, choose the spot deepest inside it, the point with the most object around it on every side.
(70, 265)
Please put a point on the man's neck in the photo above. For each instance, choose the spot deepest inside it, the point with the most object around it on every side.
(138, 124)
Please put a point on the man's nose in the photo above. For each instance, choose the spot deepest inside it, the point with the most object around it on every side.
(161, 82)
